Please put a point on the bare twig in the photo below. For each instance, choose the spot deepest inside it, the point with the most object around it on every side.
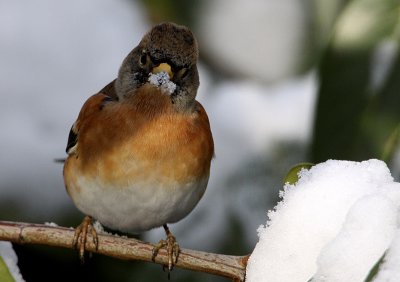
(233, 267)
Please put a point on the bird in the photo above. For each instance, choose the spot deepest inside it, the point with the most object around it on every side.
(140, 152)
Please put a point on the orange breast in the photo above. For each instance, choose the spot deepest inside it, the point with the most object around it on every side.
(144, 138)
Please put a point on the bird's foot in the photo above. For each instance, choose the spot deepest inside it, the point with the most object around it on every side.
(81, 236)
(172, 247)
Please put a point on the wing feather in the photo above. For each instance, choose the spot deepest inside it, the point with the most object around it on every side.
(92, 105)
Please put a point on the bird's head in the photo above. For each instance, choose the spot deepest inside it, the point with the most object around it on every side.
(168, 48)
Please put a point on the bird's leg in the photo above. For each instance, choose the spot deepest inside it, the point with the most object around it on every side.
(80, 236)
(172, 246)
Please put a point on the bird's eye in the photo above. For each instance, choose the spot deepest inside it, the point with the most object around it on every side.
(143, 59)
(183, 73)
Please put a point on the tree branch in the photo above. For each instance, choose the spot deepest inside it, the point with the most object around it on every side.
(233, 267)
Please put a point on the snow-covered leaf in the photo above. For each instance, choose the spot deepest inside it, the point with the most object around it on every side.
(333, 225)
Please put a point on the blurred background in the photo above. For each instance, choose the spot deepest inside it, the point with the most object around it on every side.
(282, 81)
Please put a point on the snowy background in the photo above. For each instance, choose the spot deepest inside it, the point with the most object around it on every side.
(258, 85)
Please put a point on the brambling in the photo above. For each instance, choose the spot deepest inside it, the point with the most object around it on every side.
(139, 153)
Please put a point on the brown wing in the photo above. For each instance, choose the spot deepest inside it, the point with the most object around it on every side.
(92, 105)
(108, 93)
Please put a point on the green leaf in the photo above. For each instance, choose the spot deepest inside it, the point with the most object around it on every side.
(358, 100)
(293, 175)
(391, 144)
(375, 269)
(5, 275)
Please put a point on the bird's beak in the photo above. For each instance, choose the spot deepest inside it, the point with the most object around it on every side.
(163, 67)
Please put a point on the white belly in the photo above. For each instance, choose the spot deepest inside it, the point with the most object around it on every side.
(139, 207)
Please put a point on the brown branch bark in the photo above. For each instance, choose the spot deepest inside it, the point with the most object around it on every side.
(233, 267)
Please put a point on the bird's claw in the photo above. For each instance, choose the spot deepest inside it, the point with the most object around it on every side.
(172, 247)
(81, 236)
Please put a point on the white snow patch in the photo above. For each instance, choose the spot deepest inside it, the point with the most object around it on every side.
(333, 225)
(389, 271)
(161, 79)
(52, 224)
(100, 230)
(365, 235)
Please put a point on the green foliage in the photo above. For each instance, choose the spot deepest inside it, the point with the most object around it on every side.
(358, 99)
(293, 175)
(5, 275)
(391, 144)
(375, 269)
